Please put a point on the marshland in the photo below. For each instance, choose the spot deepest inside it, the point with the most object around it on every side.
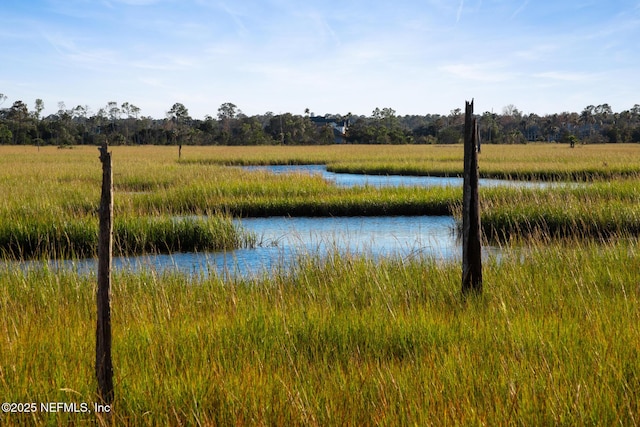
(334, 338)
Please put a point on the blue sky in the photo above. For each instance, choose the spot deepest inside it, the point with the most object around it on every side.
(417, 57)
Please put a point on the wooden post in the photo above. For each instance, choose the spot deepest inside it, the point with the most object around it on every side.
(104, 367)
(471, 245)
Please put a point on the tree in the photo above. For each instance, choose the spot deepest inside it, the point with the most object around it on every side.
(587, 119)
(178, 114)
(131, 111)
(135, 111)
(126, 109)
(250, 132)
(114, 111)
(595, 124)
(6, 136)
(80, 112)
(456, 117)
(38, 108)
(488, 127)
(450, 135)
(227, 114)
(227, 111)
(18, 111)
(19, 117)
(360, 132)
(387, 127)
(511, 111)
(179, 118)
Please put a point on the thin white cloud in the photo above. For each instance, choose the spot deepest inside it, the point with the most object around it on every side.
(460, 9)
(236, 16)
(322, 26)
(153, 82)
(537, 52)
(68, 48)
(520, 9)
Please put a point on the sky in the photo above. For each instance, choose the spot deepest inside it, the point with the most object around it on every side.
(348, 56)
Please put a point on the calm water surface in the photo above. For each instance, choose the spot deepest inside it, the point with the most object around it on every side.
(281, 240)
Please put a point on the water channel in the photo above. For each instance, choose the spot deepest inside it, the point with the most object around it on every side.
(354, 180)
(282, 239)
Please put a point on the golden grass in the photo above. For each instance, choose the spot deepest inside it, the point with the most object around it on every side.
(554, 339)
(50, 196)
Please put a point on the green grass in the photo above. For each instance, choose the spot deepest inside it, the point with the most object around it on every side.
(150, 182)
(547, 162)
(78, 238)
(597, 210)
(343, 341)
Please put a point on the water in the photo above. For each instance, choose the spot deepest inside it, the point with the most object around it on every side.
(354, 180)
(281, 240)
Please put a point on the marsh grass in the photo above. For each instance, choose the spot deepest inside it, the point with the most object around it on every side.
(541, 162)
(599, 210)
(342, 341)
(78, 238)
(338, 340)
(42, 188)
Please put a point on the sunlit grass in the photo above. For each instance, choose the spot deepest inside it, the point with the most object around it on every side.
(601, 210)
(343, 340)
(337, 340)
(50, 196)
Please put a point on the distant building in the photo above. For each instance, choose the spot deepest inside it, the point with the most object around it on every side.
(339, 127)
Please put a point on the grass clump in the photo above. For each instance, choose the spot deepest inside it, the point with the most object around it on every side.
(78, 237)
(168, 235)
(598, 210)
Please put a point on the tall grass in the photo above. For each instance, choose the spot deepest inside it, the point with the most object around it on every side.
(50, 197)
(342, 341)
(548, 162)
(78, 238)
(598, 210)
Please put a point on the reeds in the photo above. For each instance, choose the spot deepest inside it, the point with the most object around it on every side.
(78, 237)
(50, 197)
(341, 341)
(337, 340)
(597, 210)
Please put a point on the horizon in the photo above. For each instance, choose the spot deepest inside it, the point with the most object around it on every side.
(93, 113)
(283, 56)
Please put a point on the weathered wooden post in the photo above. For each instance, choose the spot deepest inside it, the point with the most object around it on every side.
(104, 367)
(471, 245)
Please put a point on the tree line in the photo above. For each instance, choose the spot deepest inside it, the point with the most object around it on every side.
(122, 124)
